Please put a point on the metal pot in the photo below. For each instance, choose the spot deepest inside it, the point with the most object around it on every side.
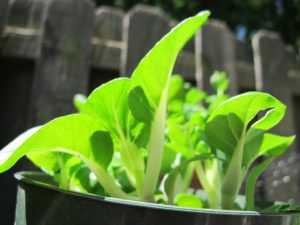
(40, 202)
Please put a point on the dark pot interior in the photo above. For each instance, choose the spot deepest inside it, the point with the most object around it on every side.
(39, 202)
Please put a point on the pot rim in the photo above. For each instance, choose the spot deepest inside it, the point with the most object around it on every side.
(43, 180)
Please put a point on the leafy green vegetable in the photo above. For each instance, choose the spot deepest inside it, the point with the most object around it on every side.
(131, 132)
(109, 105)
(102, 148)
(282, 207)
(186, 135)
(124, 117)
(173, 176)
(153, 75)
(52, 138)
(255, 173)
(220, 82)
(83, 180)
(188, 200)
(228, 130)
(79, 101)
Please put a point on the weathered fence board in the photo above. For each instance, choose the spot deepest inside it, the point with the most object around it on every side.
(245, 78)
(20, 43)
(106, 54)
(293, 60)
(108, 23)
(244, 66)
(27, 13)
(62, 68)
(296, 104)
(55, 49)
(138, 35)
(185, 62)
(215, 50)
(107, 45)
(185, 65)
(21, 36)
(107, 40)
(271, 69)
(3, 14)
(294, 82)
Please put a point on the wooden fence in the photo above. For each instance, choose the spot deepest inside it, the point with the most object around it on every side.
(53, 49)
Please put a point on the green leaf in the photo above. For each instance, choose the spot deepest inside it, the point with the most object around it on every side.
(245, 107)
(265, 145)
(121, 176)
(7, 158)
(83, 180)
(52, 163)
(176, 90)
(224, 131)
(79, 101)
(154, 71)
(251, 181)
(188, 200)
(214, 101)
(227, 130)
(227, 125)
(170, 181)
(153, 75)
(178, 139)
(139, 105)
(171, 186)
(109, 105)
(283, 207)
(69, 134)
(102, 148)
(169, 158)
(60, 165)
(194, 96)
(268, 121)
(219, 81)
(275, 145)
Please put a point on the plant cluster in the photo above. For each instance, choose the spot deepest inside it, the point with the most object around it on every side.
(143, 138)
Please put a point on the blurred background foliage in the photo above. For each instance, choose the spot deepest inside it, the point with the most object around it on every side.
(244, 17)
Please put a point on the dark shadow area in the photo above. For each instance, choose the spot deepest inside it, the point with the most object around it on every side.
(98, 77)
(15, 86)
(296, 104)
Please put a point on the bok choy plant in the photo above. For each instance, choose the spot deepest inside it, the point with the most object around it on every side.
(142, 138)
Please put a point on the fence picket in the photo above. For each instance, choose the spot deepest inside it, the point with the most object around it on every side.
(143, 27)
(215, 50)
(27, 13)
(3, 14)
(107, 40)
(62, 68)
(271, 69)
